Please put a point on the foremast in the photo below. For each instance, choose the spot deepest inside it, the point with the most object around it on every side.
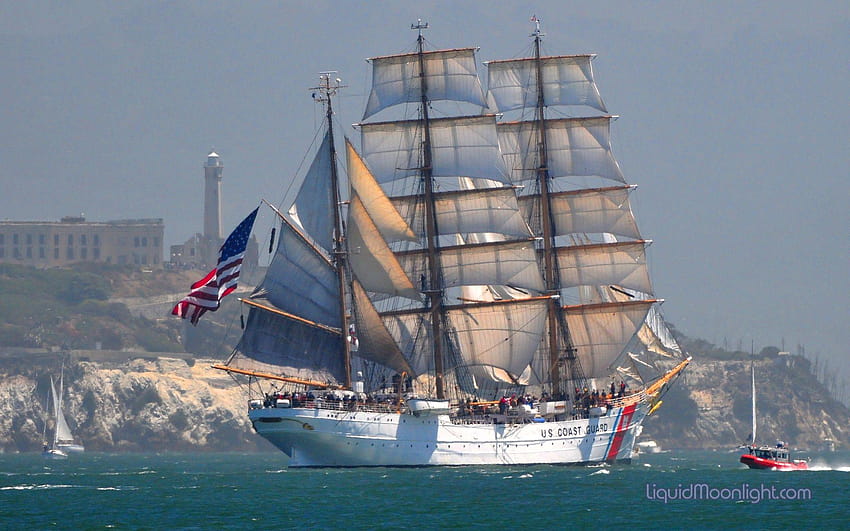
(324, 92)
(297, 325)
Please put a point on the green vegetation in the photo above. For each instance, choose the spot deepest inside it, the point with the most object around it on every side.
(70, 308)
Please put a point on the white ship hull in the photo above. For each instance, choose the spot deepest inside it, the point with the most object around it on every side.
(333, 438)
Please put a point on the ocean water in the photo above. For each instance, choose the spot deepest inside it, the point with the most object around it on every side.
(257, 491)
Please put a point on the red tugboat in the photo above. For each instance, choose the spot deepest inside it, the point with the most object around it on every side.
(772, 458)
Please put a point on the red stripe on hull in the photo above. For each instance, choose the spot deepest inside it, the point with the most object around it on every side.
(620, 431)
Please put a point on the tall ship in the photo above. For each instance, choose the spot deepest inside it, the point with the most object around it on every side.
(472, 289)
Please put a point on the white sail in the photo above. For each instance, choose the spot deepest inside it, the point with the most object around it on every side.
(376, 343)
(63, 431)
(300, 280)
(371, 259)
(575, 147)
(449, 75)
(620, 263)
(316, 190)
(284, 345)
(492, 210)
(507, 263)
(374, 201)
(502, 334)
(293, 326)
(461, 146)
(567, 80)
(597, 210)
(600, 332)
(656, 336)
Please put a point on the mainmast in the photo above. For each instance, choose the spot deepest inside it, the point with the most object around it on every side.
(323, 93)
(434, 288)
(550, 267)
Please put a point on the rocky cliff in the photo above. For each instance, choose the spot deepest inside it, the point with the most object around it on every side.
(130, 404)
(711, 406)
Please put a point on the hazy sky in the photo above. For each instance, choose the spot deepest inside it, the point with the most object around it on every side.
(734, 124)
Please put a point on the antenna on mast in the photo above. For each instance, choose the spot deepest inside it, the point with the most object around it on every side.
(537, 32)
(327, 87)
(419, 26)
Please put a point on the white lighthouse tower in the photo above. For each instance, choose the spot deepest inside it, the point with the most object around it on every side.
(212, 208)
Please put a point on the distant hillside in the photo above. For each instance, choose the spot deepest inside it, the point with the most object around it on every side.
(711, 406)
(94, 306)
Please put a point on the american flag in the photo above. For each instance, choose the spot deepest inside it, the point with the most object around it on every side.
(207, 293)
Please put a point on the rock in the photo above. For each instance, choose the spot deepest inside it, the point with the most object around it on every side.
(711, 406)
(139, 404)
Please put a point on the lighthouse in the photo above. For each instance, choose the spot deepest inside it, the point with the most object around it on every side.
(212, 208)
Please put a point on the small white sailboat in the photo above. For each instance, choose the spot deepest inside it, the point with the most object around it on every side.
(52, 451)
(63, 439)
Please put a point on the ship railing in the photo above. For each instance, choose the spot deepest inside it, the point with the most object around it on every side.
(628, 400)
(335, 405)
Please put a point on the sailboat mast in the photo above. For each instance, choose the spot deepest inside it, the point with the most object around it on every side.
(550, 270)
(57, 409)
(434, 288)
(753, 377)
(327, 89)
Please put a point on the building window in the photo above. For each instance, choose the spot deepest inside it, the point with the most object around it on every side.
(56, 253)
(83, 253)
(55, 239)
(2, 252)
(96, 239)
(144, 241)
(41, 253)
(70, 240)
(2, 239)
(83, 239)
(29, 252)
(136, 241)
(16, 252)
(95, 253)
(14, 239)
(29, 239)
(70, 253)
(155, 241)
(42, 239)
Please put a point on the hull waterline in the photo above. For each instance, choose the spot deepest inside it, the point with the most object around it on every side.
(759, 463)
(331, 438)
